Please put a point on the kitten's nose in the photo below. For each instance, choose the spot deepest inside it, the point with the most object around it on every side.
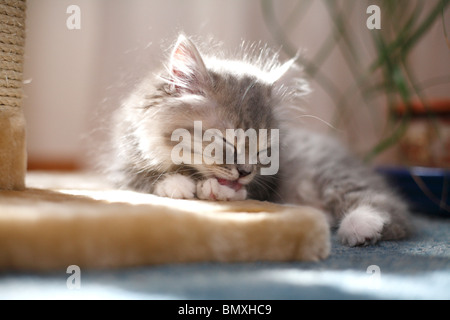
(244, 171)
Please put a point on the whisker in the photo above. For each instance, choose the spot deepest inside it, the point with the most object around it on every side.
(261, 183)
(321, 120)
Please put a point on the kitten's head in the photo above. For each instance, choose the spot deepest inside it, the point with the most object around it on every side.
(202, 92)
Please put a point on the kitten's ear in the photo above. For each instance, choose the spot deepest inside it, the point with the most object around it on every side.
(278, 74)
(187, 69)
(288, 82)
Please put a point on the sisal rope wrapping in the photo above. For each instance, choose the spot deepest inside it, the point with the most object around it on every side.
(12, 124)
(12, 41)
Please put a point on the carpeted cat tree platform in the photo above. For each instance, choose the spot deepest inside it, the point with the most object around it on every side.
(56, 220)
(48, 226)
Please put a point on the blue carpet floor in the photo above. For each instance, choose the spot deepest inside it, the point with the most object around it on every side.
(417, 268)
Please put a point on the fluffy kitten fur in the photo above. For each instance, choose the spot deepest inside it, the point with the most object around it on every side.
(252, 91)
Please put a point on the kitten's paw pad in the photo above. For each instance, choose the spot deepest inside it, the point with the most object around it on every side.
(362, 226)
(176, 186)
(211, 189)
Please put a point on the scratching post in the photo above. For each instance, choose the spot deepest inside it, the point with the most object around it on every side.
(12, 123)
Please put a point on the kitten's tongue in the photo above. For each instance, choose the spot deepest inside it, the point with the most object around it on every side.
(236, 186)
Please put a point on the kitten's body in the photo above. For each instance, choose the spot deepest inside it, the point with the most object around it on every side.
(251, 93)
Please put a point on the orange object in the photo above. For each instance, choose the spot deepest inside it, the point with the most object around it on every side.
(438, 107)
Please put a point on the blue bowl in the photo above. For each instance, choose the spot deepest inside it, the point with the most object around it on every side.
(426, 189)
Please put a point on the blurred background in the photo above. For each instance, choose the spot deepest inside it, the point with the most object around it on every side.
(385, 91)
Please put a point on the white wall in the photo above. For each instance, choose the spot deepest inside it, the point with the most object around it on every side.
(60, 67)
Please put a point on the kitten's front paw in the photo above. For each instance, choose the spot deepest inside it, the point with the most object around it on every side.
(176, 186)
(362, 226)
(211, 189)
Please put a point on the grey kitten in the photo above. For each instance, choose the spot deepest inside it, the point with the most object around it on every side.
(252, 92)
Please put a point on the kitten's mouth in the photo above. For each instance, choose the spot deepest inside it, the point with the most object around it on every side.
(235, 185)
